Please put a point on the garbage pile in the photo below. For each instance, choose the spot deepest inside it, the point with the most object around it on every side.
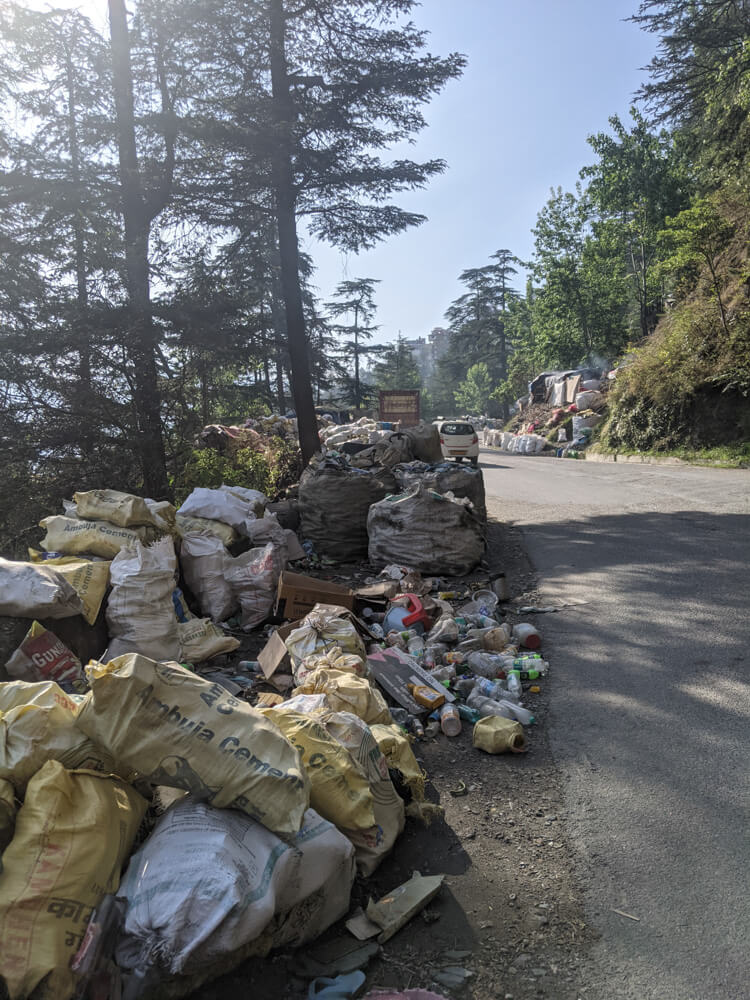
(168, 809)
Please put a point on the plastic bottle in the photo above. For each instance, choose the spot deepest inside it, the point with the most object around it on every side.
(455, 657)
(444, 630)
(426, 696)
(518, 712)
(443, 673)
(490, 689)
(526, 675)
(513, 684)
(450, 720)
(395, 639)
(484, 664)
(377, 630)
(416, 727)
(465, 685)
(488, 706)
(468, 714)
(401, 717)
(415, 646)
(527, 635)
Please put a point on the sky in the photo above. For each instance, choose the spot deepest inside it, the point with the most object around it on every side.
(542, 75)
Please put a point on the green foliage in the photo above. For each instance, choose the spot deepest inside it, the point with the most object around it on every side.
(268, 472)
(475, 392)
(396, 368)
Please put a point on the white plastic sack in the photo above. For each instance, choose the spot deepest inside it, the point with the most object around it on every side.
(218, 505)
(204, 561)
(585, 420)
(209, 881)
(253, 577)
(140, 613)
(33, 590)
(257, 500)
(588, 400)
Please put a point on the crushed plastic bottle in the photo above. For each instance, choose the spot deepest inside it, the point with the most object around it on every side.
(484, 664)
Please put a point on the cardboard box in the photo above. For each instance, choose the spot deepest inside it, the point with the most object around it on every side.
(298, 594)
(394, 670)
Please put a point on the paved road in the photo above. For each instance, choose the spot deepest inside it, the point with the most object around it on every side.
(651, 709)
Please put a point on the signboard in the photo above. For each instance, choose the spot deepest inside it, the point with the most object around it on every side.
(400, 405)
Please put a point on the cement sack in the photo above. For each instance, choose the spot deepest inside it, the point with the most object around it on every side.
(187, 525)
(446, 477)
(43, 657)
(8, 810)
(70, 536)
(204, 561)
(122, 509)
(393, 449)
(334, 500)
(29, 590)
(200, 640)
(88, 578)
(394, 745)
(589, 400)
(374, 844)
(321, 630)
(37, 724)
(184, 732)
(163, 515)
(140, 613)
(253, 577)
(332, 659)
(339, 790)
(73, 835)
(347, 693)
(207, 882)
(218, 505)
(425, 531)
(425, 442)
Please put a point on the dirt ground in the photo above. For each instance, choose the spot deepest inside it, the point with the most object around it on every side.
(510, 911)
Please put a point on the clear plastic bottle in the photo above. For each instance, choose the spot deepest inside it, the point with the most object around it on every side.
(490, 689)
(519, 713)
(484, 664)
(450, 720)
(465, 685)
(513, 683)
(415, 646)
(488, 706)
(443, 673)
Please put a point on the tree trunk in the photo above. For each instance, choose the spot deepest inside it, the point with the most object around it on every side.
(137, 223)
(286, 220)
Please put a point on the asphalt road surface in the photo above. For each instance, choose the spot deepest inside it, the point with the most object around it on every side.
(650, 722)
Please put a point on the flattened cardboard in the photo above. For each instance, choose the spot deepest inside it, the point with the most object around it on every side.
(298, 594)
(394, 670)
(275, 654)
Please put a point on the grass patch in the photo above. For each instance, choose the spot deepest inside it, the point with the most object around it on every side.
(726, 456)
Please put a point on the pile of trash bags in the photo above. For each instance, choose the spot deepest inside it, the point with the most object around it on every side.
(162, 819)
(514, 444)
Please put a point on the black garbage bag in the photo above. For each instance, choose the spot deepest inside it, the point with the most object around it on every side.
(445, 477)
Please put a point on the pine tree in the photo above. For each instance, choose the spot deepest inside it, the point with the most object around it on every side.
(355, 299)
(396, 368)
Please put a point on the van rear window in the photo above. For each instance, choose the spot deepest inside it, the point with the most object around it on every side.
(457, 429)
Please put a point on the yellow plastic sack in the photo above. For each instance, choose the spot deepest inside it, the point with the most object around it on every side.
(347, 693)
(187, 524)
(200, 639)
(338, 790)
(7, 815)
(321, 630)
(332, 659)
(395, 746)
(495, 734)
(74, 833)
(89, 579)
(122, 509)
(72, 537)
(37, 724)
(179, 730)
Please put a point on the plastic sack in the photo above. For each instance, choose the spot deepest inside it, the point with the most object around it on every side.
(321, 630)
(426, 532)
(200, 639)
(184, 732)
(187, 525)
(140, 613)
(74, 537)
(204, 560)
(588, 400)
(332, 659)
(425, 442)
(446, 477)
(495, 734)
(31, 590)
(371, 845)
(258, 501)
(338, 789)
(89, 579)
(218, 505)
(122, 509)
(581, 420)
(395, 747)
(347, 693)
(73, 834)
(8, 810)
(207, 882)
(163, 515)
(43, 657)
(253, 577)
(37, 724)
(334, 499)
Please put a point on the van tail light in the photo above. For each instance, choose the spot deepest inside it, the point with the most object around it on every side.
(442, 440)
(475, 440)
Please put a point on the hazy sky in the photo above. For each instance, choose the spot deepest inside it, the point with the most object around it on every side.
(542, 75)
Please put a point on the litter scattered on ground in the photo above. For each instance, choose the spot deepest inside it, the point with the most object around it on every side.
(262, 718)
